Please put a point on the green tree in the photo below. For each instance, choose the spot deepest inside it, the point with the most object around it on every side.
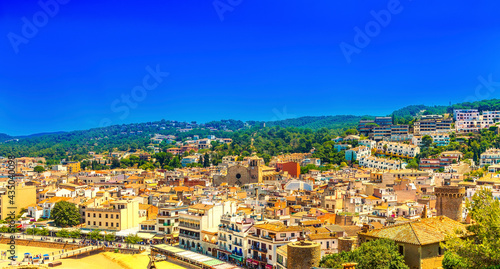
(481, 250)
(39, 169)
(132, 239)
(206, 160)
(110, 237)
(380, 253)
(76, 233)
(96, 235)
(426, 141)
(65, 214)
(412, 164)
(63, 233)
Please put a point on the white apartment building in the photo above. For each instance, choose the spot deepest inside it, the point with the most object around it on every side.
(397, 149)
(357, 152)
(232, 237)
(266, 238)
(368, 143)
(379, 163)
(469, 120)
(490, 157)
(441, 139)
(198, 218)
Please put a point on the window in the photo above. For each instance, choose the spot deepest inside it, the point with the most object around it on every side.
(88, 215)
(94, 215)
(99, 215)
(89, 222)
(111, 215)
(113, 223)
(116, 216)
(283, 235)
(401, 249)
(94, 223)
(106, 215)
(106, 224)
(270, 247)
(100, 223)
(270, 257)
(117, 225)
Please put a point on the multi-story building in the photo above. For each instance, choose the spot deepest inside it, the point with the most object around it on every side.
(266, 238)
(368, 143)
(167, 220)
(441, 139)
(73, 167)
(379, 163)
(490, 157)
(357, 152)
(198, 218)
(470, 120)
(432, 124)
(118, 215)
(232, 237)
(190, 159)
(397, 149)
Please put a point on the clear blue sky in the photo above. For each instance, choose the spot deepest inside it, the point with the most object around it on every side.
(255, 60)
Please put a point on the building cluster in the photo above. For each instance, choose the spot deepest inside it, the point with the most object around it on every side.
(264, 216)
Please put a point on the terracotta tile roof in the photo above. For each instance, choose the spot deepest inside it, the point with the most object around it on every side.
(419, 232)
(278, 227)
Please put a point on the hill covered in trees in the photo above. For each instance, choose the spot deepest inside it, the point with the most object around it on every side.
(4, 137)
(290, 135)
(338, 122)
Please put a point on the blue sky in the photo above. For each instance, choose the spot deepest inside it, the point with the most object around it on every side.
(71, 65)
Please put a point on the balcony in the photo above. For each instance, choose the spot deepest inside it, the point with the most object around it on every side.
(238, 244)
(196, 237)
(260, 249)
(190, 226)
(260, 259)
(168, 224)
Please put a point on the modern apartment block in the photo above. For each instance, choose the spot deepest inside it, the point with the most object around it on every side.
(365, 127)
(397, 149)
(490, 157)
(381, 127)
(432, 124)
(379, 163)
(441, 139)
(470, 120)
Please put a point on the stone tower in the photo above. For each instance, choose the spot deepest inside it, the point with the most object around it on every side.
(449, 201)
(303, 254)
(255, 169)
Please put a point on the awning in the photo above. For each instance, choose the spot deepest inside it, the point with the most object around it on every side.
(158, 237)
(236, 257)
(145, 235)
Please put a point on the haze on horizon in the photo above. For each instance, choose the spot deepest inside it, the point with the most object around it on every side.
(249, 60)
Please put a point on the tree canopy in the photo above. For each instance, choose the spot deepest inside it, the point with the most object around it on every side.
(380, 253)
(65, 214)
